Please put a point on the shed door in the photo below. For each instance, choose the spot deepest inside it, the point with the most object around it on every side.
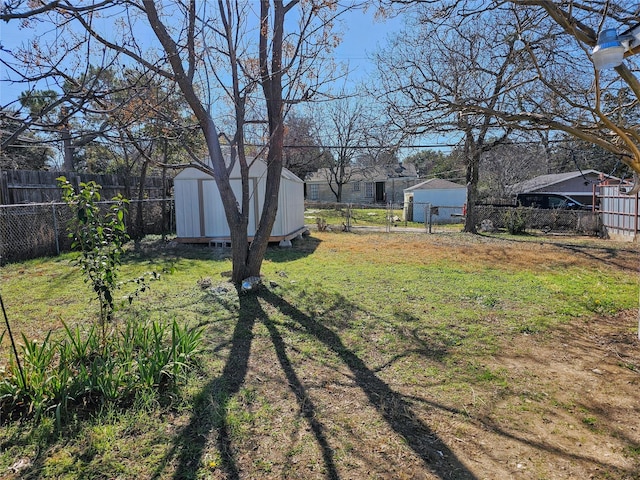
(187, 198)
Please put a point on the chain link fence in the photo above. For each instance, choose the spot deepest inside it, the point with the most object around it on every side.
(520, 219)
(489, 217)
(40, 229)
(346, 216)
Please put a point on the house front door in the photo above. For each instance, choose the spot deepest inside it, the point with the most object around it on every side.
(380, 197)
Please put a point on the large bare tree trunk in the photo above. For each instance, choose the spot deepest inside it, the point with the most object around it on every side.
(236, 219)
(471, 219)
(271, 82)
(472, 159)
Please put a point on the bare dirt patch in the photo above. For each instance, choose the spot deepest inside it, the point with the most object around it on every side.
(572, 411)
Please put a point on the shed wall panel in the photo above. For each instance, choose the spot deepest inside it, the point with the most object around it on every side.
(188, 222)
(204, 216)
(215, 220)
(438, 198)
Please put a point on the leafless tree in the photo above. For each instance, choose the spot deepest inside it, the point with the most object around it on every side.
(143, 121)
(25, 152)
(247, 54)
(303, 153)
(596, 117)
(102, 105)
(346, 123)
(437, 71)
(506, 165)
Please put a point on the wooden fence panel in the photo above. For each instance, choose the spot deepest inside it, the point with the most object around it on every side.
(34, 186)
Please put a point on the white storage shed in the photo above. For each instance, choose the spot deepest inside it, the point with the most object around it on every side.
(200, 214)
(446, 199)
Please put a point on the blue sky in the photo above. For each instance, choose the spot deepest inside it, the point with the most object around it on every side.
(362, 35)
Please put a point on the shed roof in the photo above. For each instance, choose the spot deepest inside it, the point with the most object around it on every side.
(435, 184)
(258, 168)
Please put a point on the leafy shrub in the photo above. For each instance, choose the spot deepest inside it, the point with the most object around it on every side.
(515, 219)
(146, 358)
(99, 236)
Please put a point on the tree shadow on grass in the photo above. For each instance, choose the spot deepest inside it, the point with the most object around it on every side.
(165, 253)
(211, 405)
(391, 405)
(301, 248)
(307, 408)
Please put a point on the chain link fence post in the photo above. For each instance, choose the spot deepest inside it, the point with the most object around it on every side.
(56, 233)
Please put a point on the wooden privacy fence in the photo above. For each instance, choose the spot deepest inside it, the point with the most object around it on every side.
(39, 229)
(35, 186)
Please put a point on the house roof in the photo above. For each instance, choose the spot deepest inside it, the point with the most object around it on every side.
(435, 184)
(543, 181)
(367, 174)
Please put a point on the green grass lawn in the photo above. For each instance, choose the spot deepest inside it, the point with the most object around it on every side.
(341, 360)
(363, 217)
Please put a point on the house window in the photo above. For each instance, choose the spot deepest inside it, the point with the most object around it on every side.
(368, 189)
(313, 191)
(356, 186)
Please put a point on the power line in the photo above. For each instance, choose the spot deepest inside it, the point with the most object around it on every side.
(425, 145)
(370, 147)
(37, 142)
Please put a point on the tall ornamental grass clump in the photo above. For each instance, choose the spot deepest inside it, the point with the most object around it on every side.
(146, 359)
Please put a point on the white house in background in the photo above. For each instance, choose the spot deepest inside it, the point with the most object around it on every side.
(200, 214)
(374, 184)
(446, 199)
